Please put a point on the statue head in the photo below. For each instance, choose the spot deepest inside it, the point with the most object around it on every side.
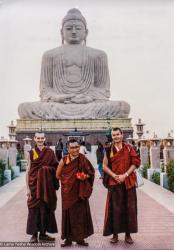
(74, 30)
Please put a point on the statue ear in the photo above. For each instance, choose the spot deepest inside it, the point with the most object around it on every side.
(61, 32)
(86, 32)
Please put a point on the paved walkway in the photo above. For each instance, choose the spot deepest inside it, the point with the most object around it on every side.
(156, 217)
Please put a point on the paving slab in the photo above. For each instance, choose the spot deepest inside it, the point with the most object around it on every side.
(155, 221)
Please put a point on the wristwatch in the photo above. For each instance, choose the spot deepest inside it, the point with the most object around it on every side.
(126, 174)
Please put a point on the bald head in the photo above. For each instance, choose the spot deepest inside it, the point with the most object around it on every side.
(39, 134)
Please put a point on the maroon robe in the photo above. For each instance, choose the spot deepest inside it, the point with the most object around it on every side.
(121, 203)
(43, 185)
(76, 217)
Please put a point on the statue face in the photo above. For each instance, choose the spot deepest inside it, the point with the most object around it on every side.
(74, 32)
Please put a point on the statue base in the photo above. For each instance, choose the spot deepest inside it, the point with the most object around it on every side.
(90, 130)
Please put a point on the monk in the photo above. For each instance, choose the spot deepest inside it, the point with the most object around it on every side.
(77, 176)
(119, 163)
(41, 191)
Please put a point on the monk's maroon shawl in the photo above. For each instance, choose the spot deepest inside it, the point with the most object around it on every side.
(74, 189)
(42, 179)
(120, 163)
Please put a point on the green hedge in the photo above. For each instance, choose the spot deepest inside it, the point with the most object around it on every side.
(144, 170)
(2, 168)
(156, 178)
(170, 173)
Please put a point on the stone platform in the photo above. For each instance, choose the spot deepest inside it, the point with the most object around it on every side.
(93, 129)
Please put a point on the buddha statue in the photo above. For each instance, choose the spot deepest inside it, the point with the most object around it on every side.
(74, 82)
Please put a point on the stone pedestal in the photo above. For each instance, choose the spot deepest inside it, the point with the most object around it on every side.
(12, 153)
(7, 175)
(27, 148)
(24, 165)
(168, 154)
(155, 152)
(16, 170)
(155, 157)
(95, 129)
(144, 155)
(4, 155)
(164, 180)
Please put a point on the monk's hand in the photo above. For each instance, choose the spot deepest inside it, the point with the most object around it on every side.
(86, 176)
(83, 178)
(116, 178)
(121, 178)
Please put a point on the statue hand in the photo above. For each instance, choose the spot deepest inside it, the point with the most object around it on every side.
(62, 98)
(82, 99)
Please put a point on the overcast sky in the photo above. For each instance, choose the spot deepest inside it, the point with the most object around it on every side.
(138, 37)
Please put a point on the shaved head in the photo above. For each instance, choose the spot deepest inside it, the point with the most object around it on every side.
(39, 134)
(39, 139)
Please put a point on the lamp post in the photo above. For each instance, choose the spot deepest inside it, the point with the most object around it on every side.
(140, 128)
(12, 131)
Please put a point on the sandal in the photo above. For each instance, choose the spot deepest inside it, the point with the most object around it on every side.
(45, 237)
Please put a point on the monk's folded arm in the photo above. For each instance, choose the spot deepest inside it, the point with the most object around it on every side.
(59, 169)
(106, 169)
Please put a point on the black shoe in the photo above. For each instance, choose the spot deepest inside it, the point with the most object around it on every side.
(33, 239)
(45, 237)
(114, 239)
(66, 243)
(128, 239)
(82, 243)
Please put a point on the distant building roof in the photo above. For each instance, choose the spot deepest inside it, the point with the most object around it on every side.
(76, 133)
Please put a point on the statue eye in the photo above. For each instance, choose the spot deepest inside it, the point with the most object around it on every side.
(78, 28)
(69, 28)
